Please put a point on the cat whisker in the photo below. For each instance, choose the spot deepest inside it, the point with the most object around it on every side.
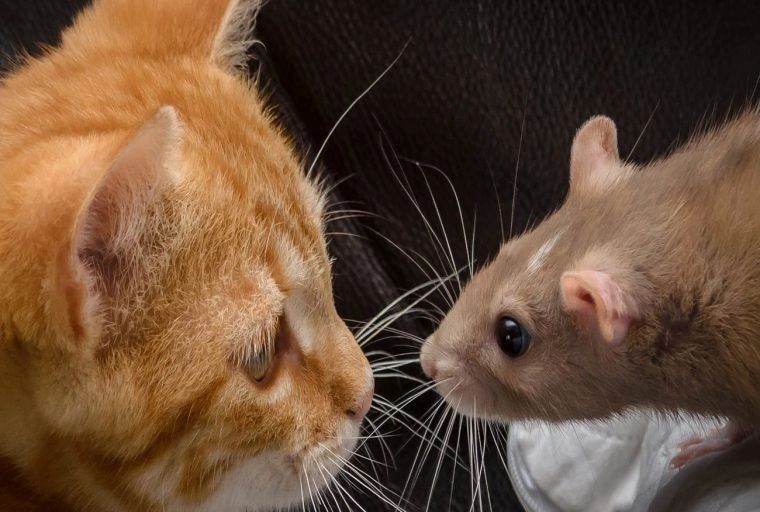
(344, 216)
(330, 205)
(343, 493)
(350, 470)
(347, 213)
(384, 449)
(308, 485)
(352, 105)
(327, 191)
(328, 487)
(383, 443)
(300, 484)
(345, 233)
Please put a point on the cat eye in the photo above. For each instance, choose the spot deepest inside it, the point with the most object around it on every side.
(513, 340)
(259, 363)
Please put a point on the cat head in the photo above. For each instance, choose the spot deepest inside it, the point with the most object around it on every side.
(168, 328)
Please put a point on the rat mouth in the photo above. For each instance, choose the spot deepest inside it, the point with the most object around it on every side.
(468, 394)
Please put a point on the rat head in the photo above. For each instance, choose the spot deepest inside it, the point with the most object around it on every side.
(537, 333)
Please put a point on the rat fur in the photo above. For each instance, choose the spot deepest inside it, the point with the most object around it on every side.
(641, 291)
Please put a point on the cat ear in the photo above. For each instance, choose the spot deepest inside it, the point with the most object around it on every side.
(234, 35)
(594, 160)
(112, 218)
(598, 302)
(217, 30)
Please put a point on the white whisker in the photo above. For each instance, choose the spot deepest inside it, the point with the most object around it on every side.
(352, 105)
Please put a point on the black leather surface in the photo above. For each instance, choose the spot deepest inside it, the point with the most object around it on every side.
(482, 85)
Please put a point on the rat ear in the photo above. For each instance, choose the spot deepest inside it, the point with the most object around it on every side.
(596, 301)
(112, 218)
(594, 160)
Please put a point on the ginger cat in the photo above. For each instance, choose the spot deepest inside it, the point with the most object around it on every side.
(168, 337)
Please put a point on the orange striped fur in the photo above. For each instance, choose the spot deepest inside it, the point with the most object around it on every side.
(168, 339)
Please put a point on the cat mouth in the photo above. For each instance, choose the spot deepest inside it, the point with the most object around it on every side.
(330, 454)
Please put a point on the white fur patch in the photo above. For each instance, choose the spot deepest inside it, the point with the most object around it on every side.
(537, 260)
(268, 481)
(264, 482)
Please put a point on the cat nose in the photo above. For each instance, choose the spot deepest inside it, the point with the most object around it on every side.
(362, 405)
(426, 359)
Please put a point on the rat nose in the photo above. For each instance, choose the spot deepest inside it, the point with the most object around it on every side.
(361, 408)
(426, 359)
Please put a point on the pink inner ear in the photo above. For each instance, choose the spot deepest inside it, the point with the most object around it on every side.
(139, 169)
(112, 216)
(594, 154)
(596, 302)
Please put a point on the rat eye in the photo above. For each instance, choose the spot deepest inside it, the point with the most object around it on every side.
(513, 339)
(259, 363)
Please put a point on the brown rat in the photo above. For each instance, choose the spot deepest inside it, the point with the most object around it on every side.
(642, 290)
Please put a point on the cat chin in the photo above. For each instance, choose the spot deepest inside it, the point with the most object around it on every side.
(279, 480)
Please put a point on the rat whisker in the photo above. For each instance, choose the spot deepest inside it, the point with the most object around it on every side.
(646, 125)
(450, 254)
(498, 202)
(435, 239)
(441, 454)
(448, 295)
(517, 168)
(441, 404)
(377, 322)
(452, 188)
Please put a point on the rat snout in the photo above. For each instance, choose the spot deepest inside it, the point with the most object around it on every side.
(426, 359)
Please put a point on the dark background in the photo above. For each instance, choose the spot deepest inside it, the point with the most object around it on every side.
(490, 93)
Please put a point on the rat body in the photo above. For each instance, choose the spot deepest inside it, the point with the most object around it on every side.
(642, 290)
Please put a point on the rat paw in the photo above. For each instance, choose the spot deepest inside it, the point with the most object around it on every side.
(717, 441)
